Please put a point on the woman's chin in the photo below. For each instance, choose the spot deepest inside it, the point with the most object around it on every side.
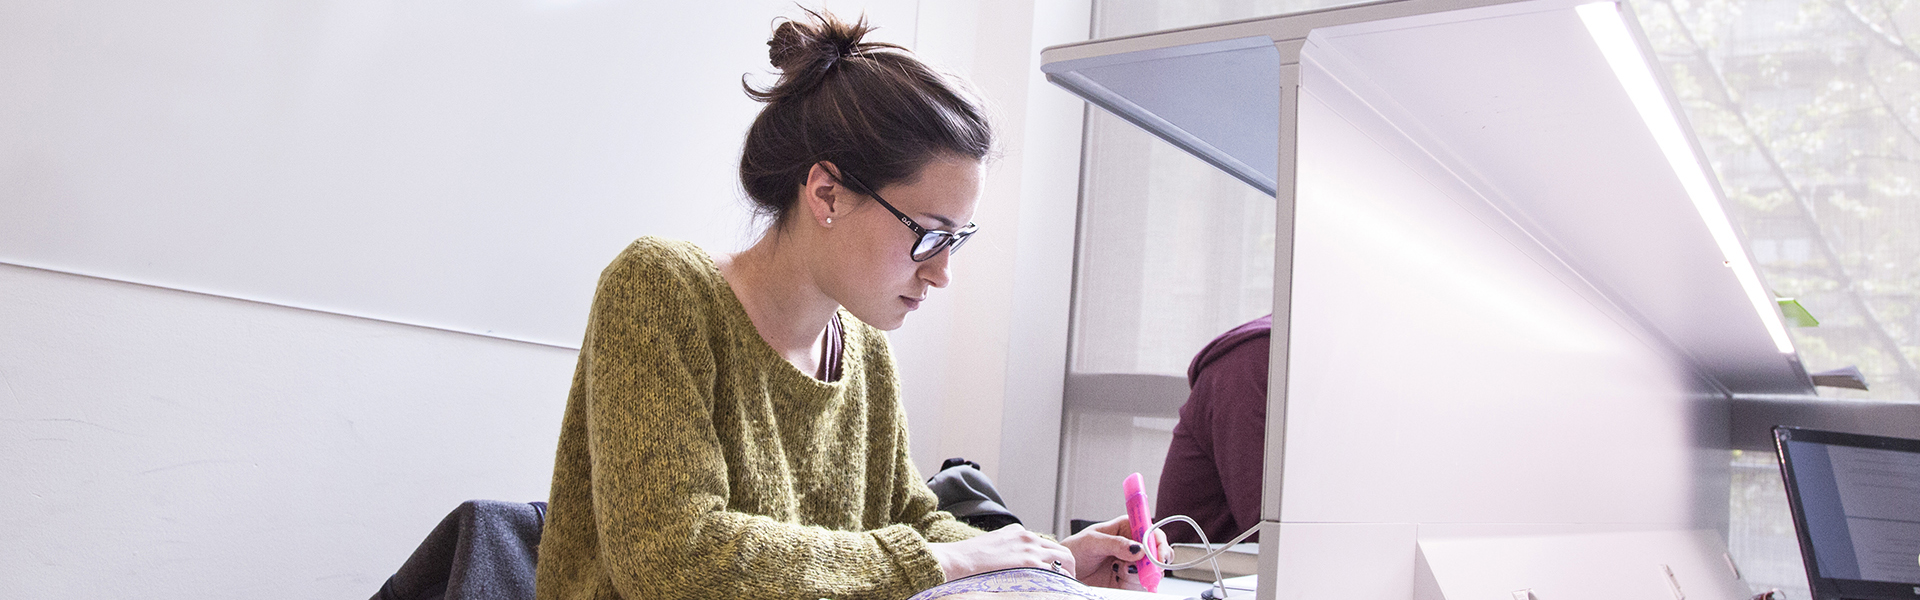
(887, 324)
(886, 320)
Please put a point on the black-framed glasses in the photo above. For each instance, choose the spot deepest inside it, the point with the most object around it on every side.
(930, 242)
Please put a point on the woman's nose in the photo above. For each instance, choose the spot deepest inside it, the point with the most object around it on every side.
(934, 270)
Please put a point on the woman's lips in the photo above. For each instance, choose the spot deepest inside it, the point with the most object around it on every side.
(912, 303)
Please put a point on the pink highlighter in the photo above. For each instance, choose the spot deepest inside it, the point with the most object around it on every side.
(1138, 517)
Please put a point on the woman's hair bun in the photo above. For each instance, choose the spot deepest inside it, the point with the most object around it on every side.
(805, 51)
(866, 109)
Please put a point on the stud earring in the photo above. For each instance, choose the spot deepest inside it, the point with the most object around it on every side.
(829, 220)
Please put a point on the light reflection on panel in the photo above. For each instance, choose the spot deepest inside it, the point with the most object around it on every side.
(1432, 361)
(1552, 136)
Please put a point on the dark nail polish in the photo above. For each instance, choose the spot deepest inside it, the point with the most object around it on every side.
(1134, 549)
(1135, 569)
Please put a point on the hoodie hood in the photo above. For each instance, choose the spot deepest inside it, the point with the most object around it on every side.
(1258, 329)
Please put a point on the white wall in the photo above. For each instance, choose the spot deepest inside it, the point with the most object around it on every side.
(158, 443)
(461, 165)
(191, 436)
(997, 364)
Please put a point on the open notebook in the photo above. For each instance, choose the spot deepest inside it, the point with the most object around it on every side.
(1026, 584)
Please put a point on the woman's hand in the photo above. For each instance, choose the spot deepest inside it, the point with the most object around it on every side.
(1105, 555)
(1004, 548)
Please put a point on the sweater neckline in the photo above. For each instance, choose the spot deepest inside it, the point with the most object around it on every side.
(758, 345)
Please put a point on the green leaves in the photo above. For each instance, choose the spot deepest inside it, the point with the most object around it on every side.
(1809, 112)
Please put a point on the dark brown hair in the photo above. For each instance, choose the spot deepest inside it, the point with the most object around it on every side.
(870, 108)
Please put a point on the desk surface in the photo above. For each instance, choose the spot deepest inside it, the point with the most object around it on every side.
(1174, 587)
(1133, 595)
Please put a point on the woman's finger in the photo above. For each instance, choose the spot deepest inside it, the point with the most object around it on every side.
(1106, 574)
(1130, 578)
(1068, 566)
(1115, 526)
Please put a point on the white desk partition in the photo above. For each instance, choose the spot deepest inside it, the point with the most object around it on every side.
(1507, 321)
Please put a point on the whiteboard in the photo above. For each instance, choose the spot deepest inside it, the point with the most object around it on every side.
(468, 166)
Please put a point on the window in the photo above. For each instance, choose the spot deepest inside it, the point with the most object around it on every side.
(1809, 111)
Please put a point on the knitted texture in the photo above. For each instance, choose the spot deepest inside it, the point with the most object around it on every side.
(695, 462)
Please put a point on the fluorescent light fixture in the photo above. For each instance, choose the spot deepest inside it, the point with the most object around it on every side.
(1609, 29)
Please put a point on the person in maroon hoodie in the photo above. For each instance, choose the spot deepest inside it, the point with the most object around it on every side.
(1212, 473)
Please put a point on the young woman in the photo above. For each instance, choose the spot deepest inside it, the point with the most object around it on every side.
(734, 428)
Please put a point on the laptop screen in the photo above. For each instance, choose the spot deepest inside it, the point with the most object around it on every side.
(1856, 508)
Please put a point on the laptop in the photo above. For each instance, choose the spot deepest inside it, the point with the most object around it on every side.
(1856, 508)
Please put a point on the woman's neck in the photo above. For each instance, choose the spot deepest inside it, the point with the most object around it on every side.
(787, 309)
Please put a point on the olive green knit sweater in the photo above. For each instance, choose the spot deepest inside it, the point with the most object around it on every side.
(695, 462)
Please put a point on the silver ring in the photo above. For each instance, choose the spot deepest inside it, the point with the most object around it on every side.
(1057, 567)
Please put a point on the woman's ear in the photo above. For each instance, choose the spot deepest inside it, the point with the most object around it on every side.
(820, 196)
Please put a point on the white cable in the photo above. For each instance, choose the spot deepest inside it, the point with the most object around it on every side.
(1220, 583)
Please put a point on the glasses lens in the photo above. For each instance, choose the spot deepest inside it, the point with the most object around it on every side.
(931, 243)
(959, 239)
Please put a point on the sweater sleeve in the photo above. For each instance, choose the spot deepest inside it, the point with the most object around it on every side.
(660, 480)
(919, 507)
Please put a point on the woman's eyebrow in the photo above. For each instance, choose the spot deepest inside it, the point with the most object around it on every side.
(944, 222)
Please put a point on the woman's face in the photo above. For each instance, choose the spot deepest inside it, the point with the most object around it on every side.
(871, 273)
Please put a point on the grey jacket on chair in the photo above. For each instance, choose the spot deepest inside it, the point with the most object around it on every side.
(969, 495)
(484, 549)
